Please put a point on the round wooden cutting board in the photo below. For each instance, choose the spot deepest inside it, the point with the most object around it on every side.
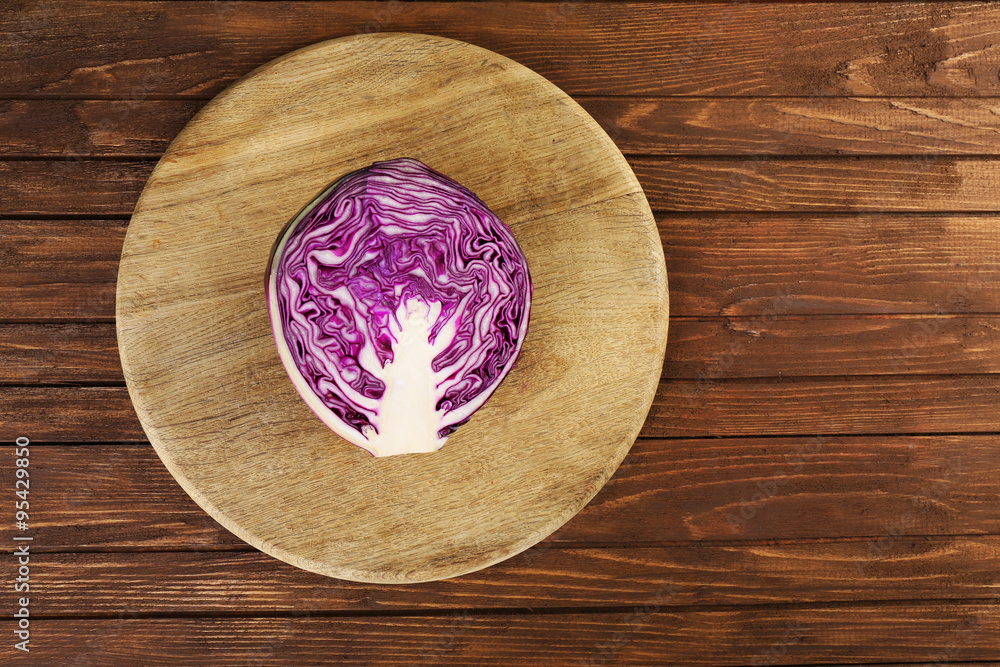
(203, 370)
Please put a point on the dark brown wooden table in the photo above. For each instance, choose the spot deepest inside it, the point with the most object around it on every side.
(818, 479)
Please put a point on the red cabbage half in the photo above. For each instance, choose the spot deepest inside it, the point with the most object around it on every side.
(399, 302)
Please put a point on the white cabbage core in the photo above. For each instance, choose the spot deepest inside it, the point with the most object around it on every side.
(408, 421)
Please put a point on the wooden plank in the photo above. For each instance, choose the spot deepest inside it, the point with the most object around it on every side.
(96, 584)
(860, 184)
(138, 49)
(666, 491)
(102, 497)
(643, 126)
(805, 487)
(68, 414)
(849, 405)
(70, 128)
(866, 184)
(59, 269)
(799, 125)
(769, 265)
(46, 353)
(772, 346)
(704, 407)
(73, 186)
(757, 265)
(642, 635)
(717, 348)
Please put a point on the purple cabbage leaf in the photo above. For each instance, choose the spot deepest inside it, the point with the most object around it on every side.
(398, 302)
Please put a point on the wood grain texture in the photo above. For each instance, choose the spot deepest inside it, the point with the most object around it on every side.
(718, 348)
(639, 126)
(800, 125)
(744, 122)
(77, 128)
(770, 265)
(846, 405)
(68, 414)
(666, 491)
(772, 346)
(214, 583)
(199, 357)
(136, 49)
(682, 184)
(113, 497)
(865, 184)
(93, 188)
(641, 635)
(59, 269)
(797, 487)
(757, 265)
(707, 406)
(61, 353)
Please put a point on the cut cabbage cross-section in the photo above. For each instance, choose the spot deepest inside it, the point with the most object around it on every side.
(398, 302)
